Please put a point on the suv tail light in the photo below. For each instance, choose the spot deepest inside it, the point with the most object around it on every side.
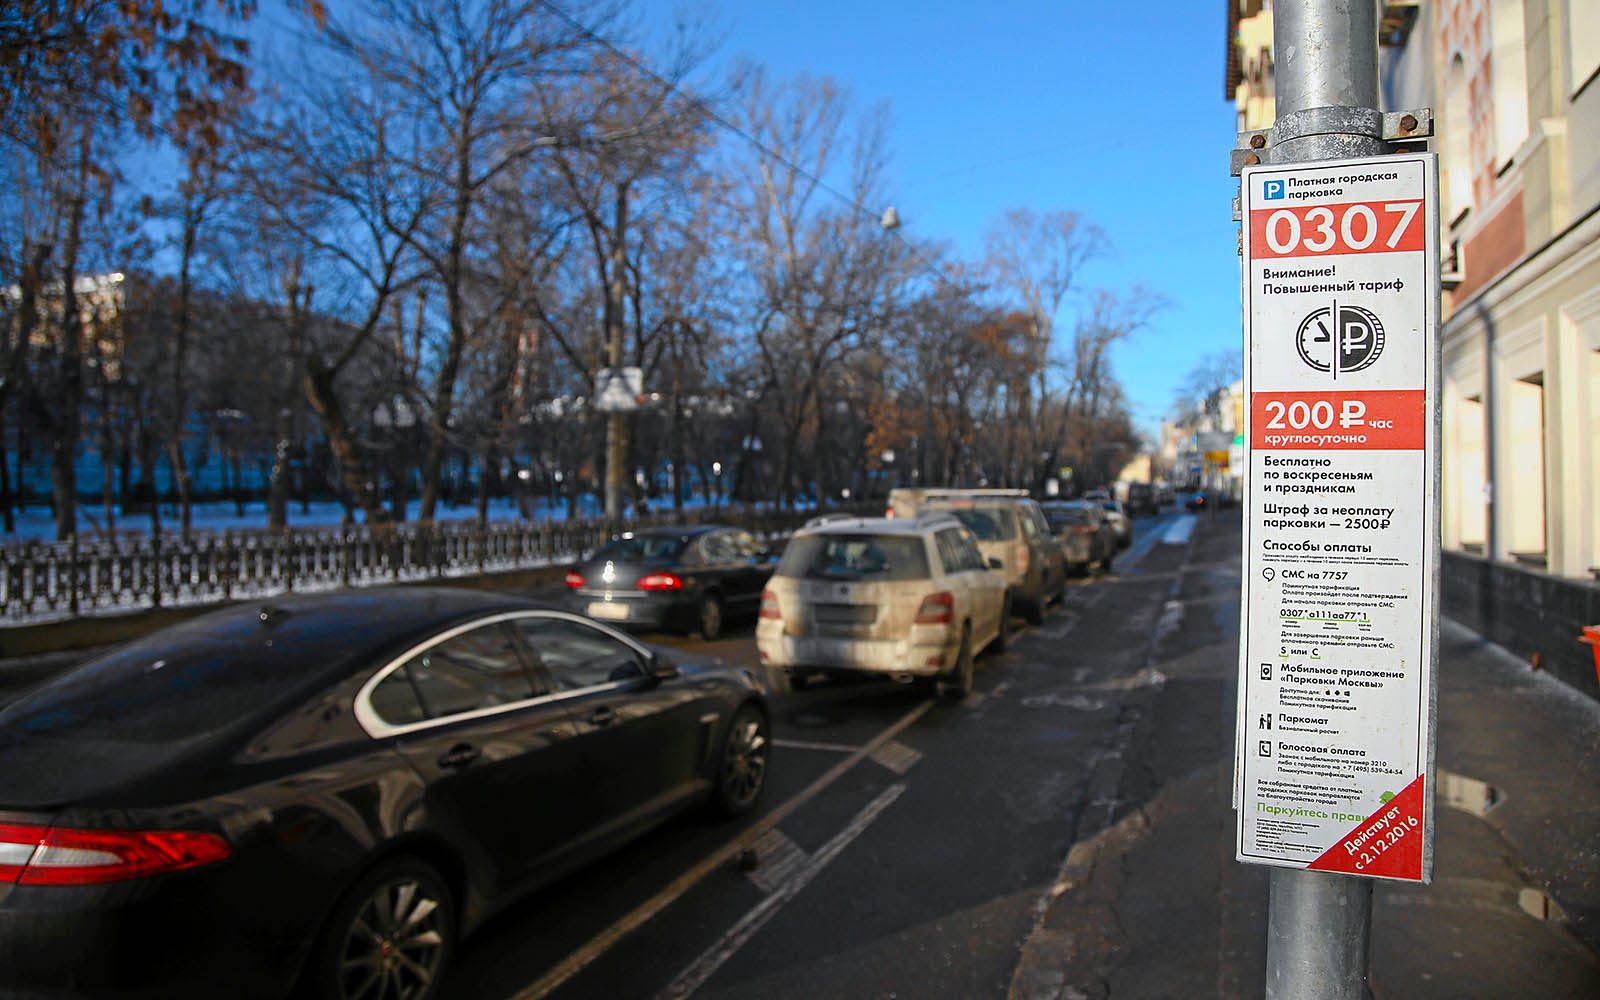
(575, 579)
(1083, 529)
(660, 581)
(770, 608)
(42, 855)
(936, 609)
(1022, 558)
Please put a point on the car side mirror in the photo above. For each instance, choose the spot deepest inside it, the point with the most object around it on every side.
(996, 563)
(661, 670)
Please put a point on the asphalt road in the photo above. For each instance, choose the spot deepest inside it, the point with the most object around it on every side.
(904, 847)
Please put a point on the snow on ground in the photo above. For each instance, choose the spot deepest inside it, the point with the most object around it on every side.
(37, 523)
(1180, 531)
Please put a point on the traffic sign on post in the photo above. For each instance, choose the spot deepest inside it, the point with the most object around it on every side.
(1334, 759)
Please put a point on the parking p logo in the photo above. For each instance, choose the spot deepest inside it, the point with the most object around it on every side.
(1271, 190)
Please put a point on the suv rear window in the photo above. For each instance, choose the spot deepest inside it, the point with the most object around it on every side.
(1068, 516)
(855, 557)
(990, 524)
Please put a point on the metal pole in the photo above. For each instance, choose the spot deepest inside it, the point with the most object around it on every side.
(1326, 87)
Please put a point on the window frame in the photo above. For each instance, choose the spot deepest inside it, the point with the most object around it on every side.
(378, 728)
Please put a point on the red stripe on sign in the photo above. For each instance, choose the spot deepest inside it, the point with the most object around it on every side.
(1324, 230)
(1388, 844)
(1369, 420)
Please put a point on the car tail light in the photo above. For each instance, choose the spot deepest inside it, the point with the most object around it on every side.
(42, 855)
(575, 579)
(660, 581)
(936, 609)
(1083, 529)
(1022, 559)
(770, 608)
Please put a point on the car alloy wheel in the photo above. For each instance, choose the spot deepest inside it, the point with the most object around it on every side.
(391, 936)
(1002, 636)
(959, 685)
(710, 617)
(742, 771)
(1035, 607)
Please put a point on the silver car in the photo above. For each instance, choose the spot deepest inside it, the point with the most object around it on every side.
(909, 598)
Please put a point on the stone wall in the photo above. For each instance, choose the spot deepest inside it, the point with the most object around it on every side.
(1527, 612)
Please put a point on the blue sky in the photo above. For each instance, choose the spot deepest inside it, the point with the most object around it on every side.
(1113, 110)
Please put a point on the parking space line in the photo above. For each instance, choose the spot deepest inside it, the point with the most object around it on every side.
(644, 912)
(811, 745)
(706, 966)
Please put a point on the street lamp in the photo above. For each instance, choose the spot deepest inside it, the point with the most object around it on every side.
(716, 489)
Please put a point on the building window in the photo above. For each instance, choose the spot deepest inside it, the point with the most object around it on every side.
(1523, 480)
(1508, 69)
(1592, 564)
(1583, 41)
(1464, 464)
(1457, 141)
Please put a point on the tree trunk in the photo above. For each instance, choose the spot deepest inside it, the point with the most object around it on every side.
(278, 481)
(69, 392)
(5, 480)
(322, 395)
(27, 320)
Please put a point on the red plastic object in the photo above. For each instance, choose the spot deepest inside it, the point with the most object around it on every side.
(1591, 635)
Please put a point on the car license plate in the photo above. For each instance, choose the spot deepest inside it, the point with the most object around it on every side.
(608, 609)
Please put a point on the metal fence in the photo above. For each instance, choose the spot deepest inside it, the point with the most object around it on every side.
(41, 581)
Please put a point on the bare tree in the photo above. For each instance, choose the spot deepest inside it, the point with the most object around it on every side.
(1037, 257)
(826, 274)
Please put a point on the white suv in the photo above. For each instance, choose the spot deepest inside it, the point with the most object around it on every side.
(908, 598)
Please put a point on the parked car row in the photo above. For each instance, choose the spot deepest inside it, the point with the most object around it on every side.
(322, 793)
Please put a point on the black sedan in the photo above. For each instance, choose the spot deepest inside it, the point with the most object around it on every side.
(325, 792)
(689, 579)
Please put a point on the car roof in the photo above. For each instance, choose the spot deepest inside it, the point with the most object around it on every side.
(672, 531)
(285, 648)
(881, 525)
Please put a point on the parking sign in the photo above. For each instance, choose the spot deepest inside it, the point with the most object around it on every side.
(1338, 630)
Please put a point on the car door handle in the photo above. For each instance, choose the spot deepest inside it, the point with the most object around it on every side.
(605, 715)
(459, 755)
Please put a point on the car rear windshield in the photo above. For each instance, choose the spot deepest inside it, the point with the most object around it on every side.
(643, 548)
(158, 692)
(990, 524)
(855, 557)
(1067, 517)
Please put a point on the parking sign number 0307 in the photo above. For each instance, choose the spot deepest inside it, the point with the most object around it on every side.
(1343, 227)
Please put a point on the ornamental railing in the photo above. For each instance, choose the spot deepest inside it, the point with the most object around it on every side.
(41, 581)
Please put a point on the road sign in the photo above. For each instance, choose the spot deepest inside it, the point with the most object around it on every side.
(618, 390)
(1334, 750)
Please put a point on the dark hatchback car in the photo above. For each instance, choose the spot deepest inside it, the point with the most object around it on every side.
(327, 791)
(688, 579)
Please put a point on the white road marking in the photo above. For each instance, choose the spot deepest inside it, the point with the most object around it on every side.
(810, 745)
(777, 859)
(704, 967)
(644, 912)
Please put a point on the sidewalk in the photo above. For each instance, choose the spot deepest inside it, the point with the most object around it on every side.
(1155, 906)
